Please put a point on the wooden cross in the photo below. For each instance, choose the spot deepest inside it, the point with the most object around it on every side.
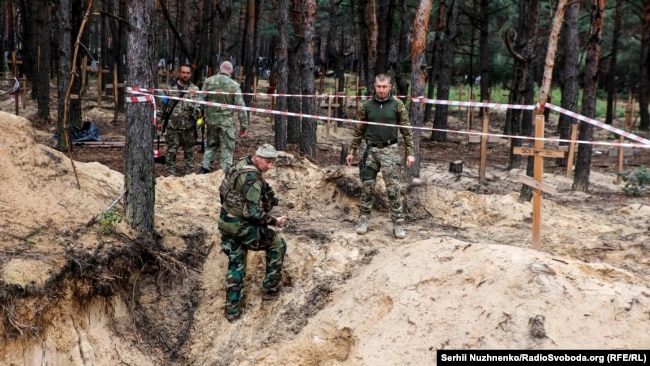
(536, 183)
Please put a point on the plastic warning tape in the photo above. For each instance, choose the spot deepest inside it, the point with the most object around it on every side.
(491, 105)
(143, 98)
(473, 104)
(602, 125)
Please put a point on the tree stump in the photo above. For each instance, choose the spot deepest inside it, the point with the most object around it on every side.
(456, 166)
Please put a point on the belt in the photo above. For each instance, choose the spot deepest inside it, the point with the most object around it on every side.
(381, 144)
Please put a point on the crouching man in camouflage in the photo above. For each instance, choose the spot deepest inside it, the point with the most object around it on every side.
(246, 200)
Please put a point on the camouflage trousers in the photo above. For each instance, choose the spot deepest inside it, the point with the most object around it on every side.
(218, 136)
(176, 139)
(237, 238)
(387, 160)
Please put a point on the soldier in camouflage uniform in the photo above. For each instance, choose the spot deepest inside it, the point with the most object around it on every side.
(382, 152)
(246, 200)
(219, 120)
(180, 131)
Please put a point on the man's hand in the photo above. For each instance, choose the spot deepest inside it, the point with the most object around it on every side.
(242, 133)
(281, 220)
(410, 160)
(349, 159)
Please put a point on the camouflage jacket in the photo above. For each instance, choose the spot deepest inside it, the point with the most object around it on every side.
(185, 113)
(389, 111)
(232, 95)
(244, 193)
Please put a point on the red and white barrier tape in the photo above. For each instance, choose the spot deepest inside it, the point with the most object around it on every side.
(144, 98)
(596, 123)
(645, 142)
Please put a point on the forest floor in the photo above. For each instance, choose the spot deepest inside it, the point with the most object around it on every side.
(77, 290)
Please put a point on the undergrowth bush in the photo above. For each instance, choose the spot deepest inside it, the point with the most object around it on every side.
(637, 182)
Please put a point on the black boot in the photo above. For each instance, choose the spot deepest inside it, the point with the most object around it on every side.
(204, 171)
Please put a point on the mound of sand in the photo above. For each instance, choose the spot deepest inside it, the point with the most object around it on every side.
(465, 277)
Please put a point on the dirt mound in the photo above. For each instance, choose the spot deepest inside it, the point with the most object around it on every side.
(71, 294)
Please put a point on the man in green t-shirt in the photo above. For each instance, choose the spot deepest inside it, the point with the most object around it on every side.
(382, 152)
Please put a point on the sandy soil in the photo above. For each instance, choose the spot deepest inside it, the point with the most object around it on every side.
(465, 276)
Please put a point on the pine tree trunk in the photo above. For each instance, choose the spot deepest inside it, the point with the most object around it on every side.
(586, 130)
(309, 127)
(282, 58)
(569, 79)
(644, 64)
(418, 76)
(611, 82)
(446, 70)
(403, 49)
(62, 22)
(139, 173)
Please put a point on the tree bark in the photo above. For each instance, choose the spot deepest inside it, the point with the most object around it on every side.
(484, 45)
(418, 76)
(519, 122)
(434, 64)
(406, 20)
(371, 64)
(64, 43)
(282, 57)
(309, 127)
(570, 70)
(586, 130)
(611, 82)
(446, 70)
(644, 67)
(139, 173)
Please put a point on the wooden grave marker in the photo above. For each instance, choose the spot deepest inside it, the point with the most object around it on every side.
(539, 153)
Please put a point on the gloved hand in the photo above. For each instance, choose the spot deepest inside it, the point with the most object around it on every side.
(199, 122)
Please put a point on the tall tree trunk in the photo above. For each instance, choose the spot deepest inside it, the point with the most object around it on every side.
(403, 48)
(63, 29)
(570, 70)
(644, 67)
(371, 23)
(3, 45)
(250, 53)
(139, 173)
(446, 70)
(362, 46)
(335, 48)
(282, 57)
(518, 122)
(74, 105)
(418, 76)
(385, 14)
(309, 127)
(293, 103)
(42, 77)
(484, 43)
(36, 54)
(434, 65)
(586, 130)
(611, 83)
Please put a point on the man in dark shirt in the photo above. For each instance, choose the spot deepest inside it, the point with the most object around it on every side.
(382, 152)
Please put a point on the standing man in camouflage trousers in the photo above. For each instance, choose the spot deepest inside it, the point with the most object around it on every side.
(382, 152)
(180, 121)
(219, 121)
(246, 202)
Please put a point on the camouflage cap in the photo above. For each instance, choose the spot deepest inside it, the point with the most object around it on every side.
(267, 151)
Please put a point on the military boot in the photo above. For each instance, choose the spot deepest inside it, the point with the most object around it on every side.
(363, 225)
(398, 229)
